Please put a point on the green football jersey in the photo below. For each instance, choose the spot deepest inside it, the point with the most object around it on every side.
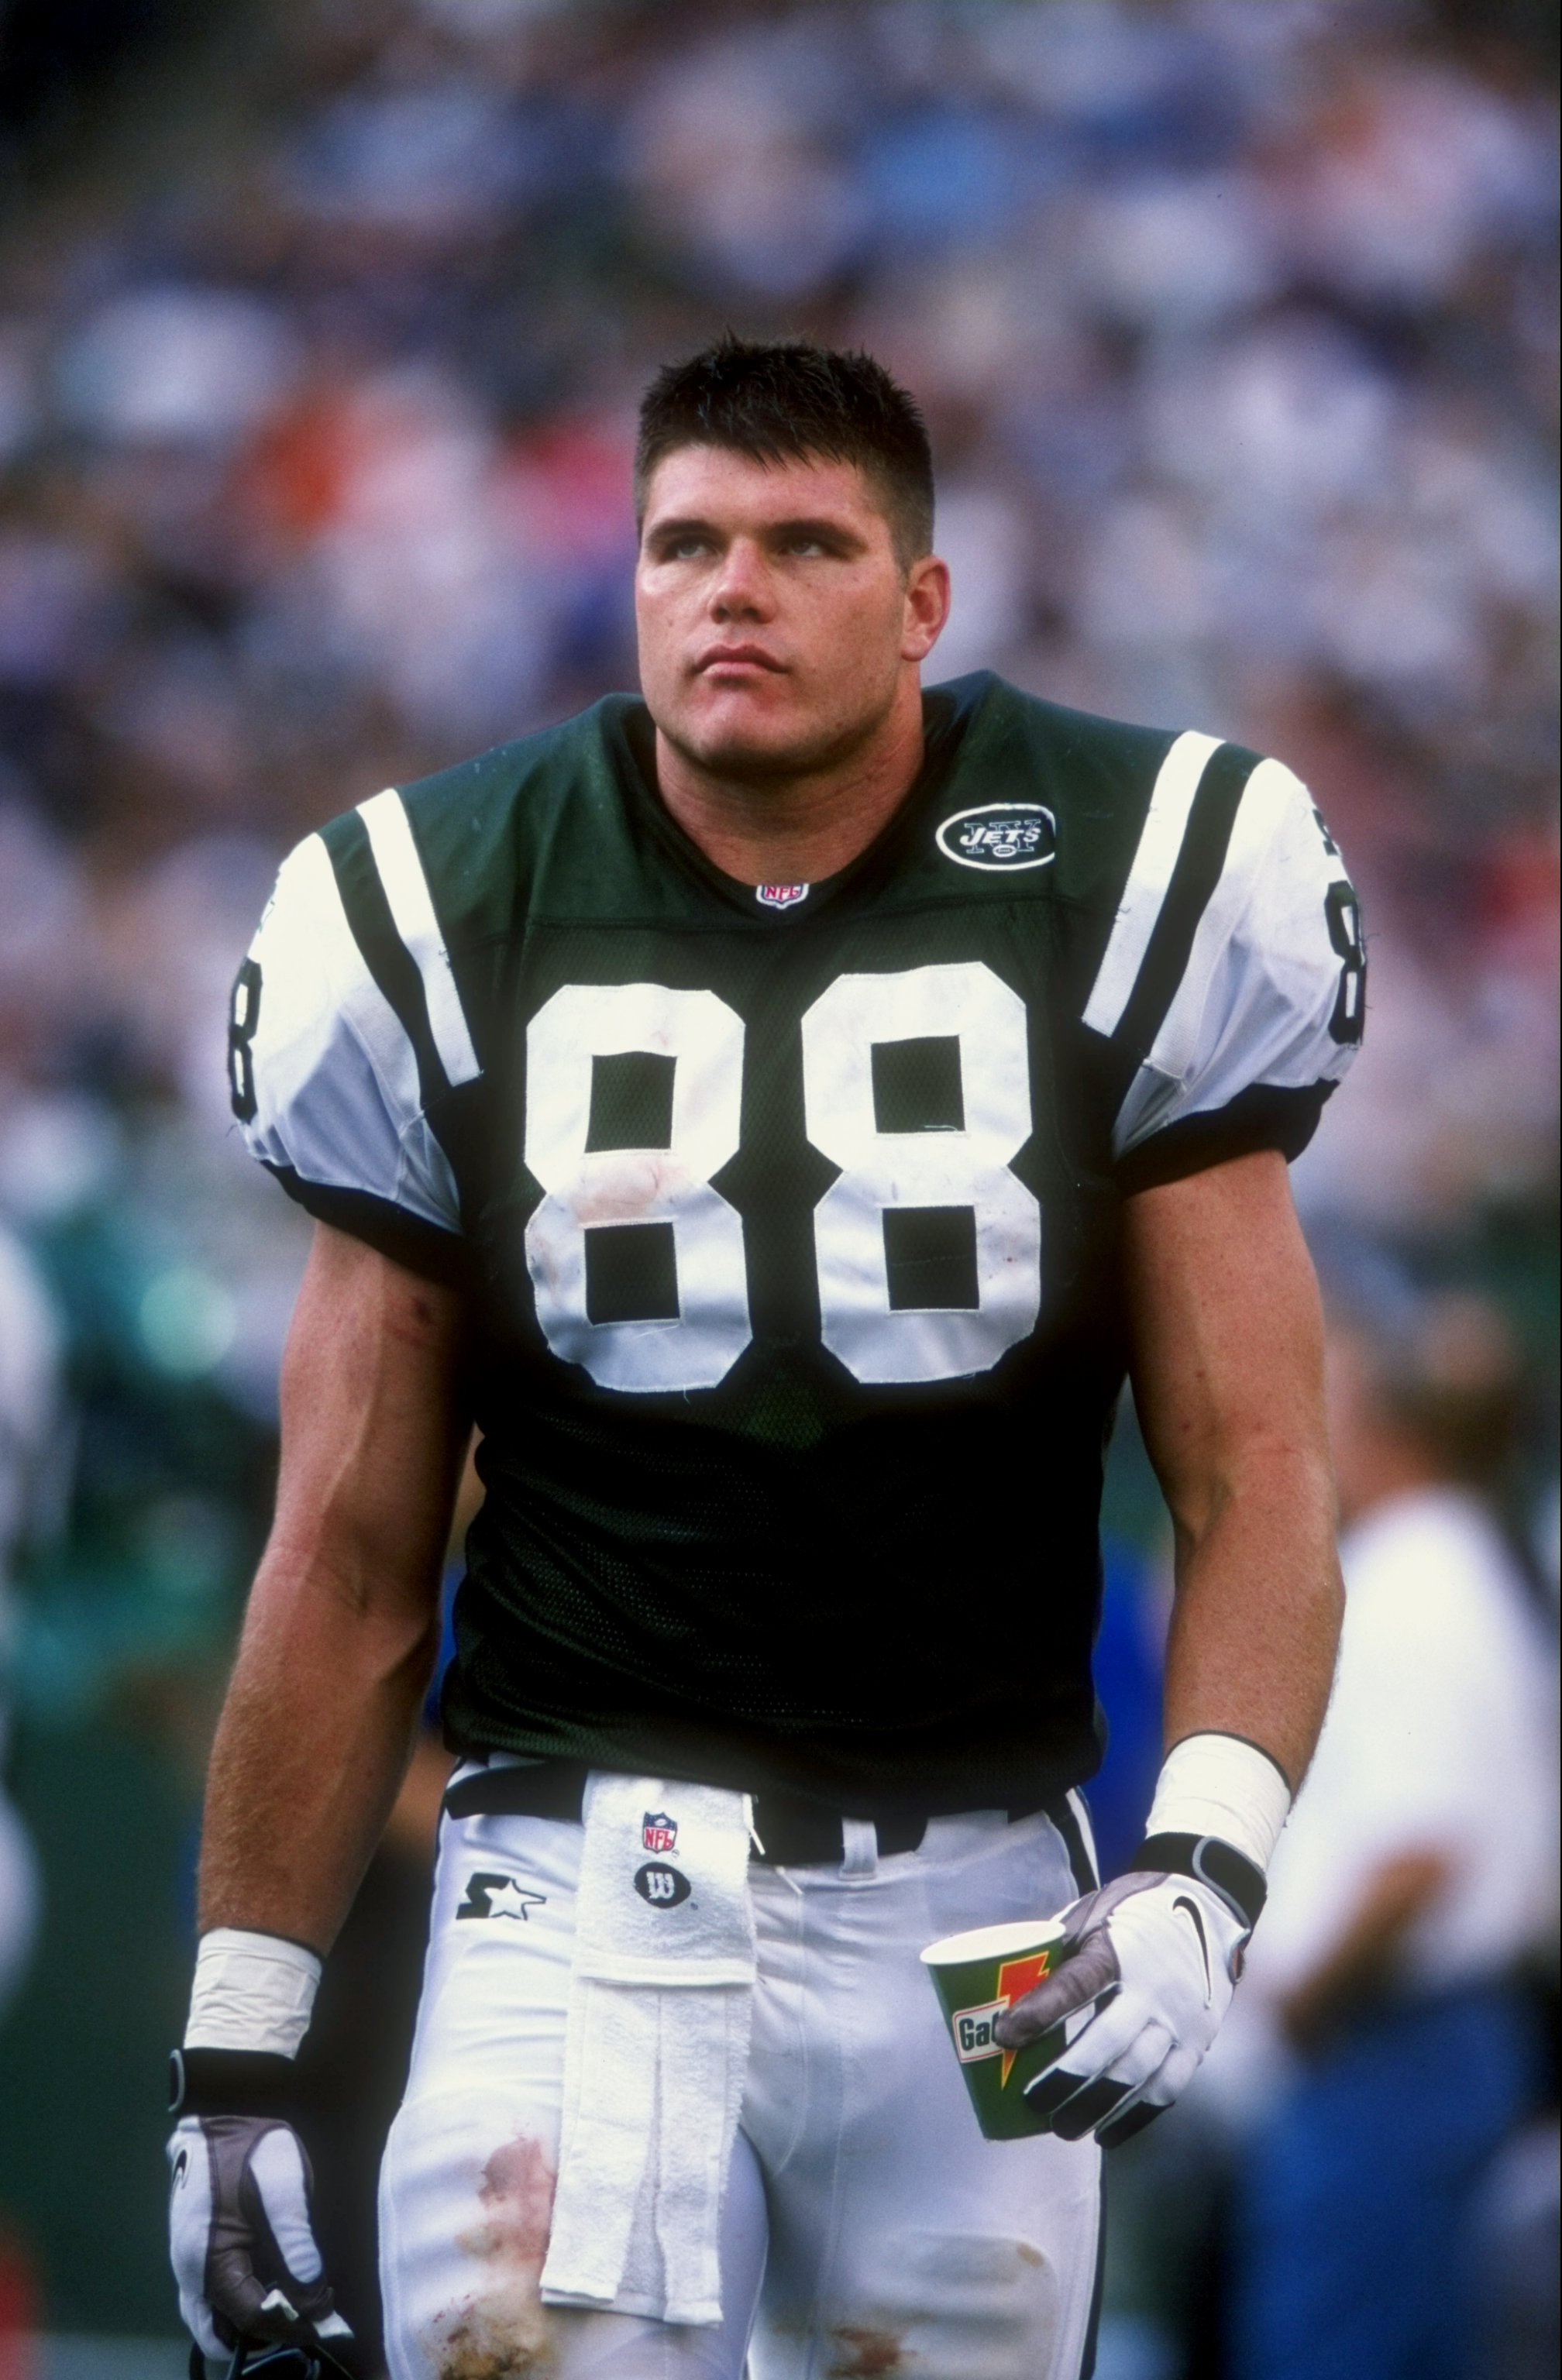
(791, 1216)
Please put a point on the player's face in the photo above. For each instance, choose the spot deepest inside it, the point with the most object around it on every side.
(777, 628)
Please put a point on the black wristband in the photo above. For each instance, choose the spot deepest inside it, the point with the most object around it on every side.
(1237, 1879)
(231, 2082)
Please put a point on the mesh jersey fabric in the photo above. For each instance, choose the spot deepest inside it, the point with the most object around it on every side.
(792, 1232)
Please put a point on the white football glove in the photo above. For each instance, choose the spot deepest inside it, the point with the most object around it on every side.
(240, 2237)
(1156, 1959)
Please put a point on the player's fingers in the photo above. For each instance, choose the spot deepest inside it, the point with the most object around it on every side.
(1078, 1984)
(1097, 2039)
(256, 2309)
(1138, 2065)
(1114, 2086)
(1163, 2089)
(1174, 2077)
(1100, 2052)
(1077, 2112)
(1122, 2127)
(277, 2169)
(1137, 2073)
(280, 2176)
(190, 2227)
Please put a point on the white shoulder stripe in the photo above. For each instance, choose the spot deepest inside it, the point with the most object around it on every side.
(1165, 823)
(1258, 816)
(411, 907)
(317, 913)
(338, 1099)
(1256, 1000)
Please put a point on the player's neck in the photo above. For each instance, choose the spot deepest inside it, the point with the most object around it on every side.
(799, 830)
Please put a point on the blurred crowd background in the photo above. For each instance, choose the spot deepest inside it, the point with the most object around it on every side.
(321, 328)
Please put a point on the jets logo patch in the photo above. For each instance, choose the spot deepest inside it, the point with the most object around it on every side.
(658, 1833)
(663, 1887)
(499, 1896)
(999, 836)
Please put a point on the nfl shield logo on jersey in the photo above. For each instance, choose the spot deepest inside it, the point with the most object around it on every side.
(658, 1833)
(780, 897)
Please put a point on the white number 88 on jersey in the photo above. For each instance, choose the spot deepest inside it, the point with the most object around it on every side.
(927, 1245)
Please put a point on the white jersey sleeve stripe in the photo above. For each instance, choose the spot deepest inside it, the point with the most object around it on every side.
(1256, 995)
(412, 910)
(1259, 814)
(1160, 841)
(338, 1099)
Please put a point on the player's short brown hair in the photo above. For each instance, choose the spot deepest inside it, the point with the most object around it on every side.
(785, 400)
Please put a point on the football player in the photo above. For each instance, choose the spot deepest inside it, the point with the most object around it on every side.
(779, 1109)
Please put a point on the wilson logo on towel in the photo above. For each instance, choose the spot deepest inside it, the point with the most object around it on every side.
(663, 1886)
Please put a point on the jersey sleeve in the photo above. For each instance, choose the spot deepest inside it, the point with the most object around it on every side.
(1232, 988)
(328, 1080)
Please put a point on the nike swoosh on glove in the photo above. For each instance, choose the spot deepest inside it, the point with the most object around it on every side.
(1154, 1963)
(240, 2237)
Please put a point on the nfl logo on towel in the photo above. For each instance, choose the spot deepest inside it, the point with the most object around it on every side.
(780, 897)
(658, 1833)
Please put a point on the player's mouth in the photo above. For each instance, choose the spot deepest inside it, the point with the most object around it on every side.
(736, 661)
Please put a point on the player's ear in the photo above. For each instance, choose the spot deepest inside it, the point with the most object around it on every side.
(927, 606)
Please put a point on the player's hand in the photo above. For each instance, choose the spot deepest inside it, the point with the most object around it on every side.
(1154, 1962)
(241, 2238)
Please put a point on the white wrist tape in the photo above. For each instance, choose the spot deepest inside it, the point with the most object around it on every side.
(1218, 1785)
(251, 1991)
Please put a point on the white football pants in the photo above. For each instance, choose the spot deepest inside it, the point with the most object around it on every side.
(868, 2228)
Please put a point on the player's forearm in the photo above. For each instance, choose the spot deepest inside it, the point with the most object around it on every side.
(1228, 1380)
(342, 1619)
(1256, 1618)
(310, 1750)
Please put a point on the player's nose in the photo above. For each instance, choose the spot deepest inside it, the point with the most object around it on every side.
(741, 588)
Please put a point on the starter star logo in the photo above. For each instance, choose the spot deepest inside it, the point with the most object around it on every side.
(499, 1896)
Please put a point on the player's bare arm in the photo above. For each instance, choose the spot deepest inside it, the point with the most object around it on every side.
(1228, 1383)
(1227, 1363)
(342, 1619)
(311, 1747)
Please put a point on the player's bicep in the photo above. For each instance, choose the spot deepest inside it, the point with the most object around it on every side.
(1226, 1330)
(374, 1424)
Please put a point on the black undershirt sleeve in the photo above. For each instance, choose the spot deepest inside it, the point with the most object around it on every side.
(1264, 1116)
(421, 1247)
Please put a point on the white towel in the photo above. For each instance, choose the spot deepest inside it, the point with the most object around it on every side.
(656, 2049)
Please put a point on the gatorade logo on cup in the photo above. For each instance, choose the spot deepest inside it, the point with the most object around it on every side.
(977, 1975)
(973, 2031)
(973, 2028)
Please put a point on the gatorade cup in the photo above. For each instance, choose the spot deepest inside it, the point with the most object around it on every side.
(978, 1975)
